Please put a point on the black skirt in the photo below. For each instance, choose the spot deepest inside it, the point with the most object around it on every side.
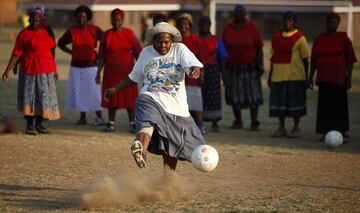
(332, 109)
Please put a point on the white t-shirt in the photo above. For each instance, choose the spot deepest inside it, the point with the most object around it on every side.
(163, 76)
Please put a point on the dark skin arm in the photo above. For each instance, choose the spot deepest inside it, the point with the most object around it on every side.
(349, 67)
(306, 67)
(260, 60)
(11, 65)
(270, 75)
(100, 65)
(311, 76)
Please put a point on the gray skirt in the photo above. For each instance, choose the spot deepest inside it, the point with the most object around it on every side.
(243, 86)
(173, 135)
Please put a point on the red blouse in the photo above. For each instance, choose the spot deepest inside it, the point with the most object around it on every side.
(241, 43)
(282, 47)
(119, 49)
(330, 54)
(84, 42)
(210, 43)
(34, 48)
(194, 43)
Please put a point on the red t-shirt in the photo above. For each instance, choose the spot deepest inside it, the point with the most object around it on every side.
(282, 47)
(34, 48)
(241, 43)
(84, 43)
(330, 54)
(194, 43)
(119, 49)
(210, 44)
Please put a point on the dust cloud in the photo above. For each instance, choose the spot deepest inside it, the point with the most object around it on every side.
(133, 188)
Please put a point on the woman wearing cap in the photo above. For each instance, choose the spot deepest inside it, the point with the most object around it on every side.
(83, 93)
(118, 49)
(37, 97)
(193, 86)
(244, 67)
(163, 121)
(288, 74)
(211, 88)
(332, 57)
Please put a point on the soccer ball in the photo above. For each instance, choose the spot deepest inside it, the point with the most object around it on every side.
(333, 138)
(205, 158)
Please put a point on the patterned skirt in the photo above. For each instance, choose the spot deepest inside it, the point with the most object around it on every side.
(83, 94)
(211, 92)
(288, 99)
(37, 96)
(173, 135)
(332, 109)
(243, 86)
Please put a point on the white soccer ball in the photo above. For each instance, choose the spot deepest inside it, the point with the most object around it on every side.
(333, 138)
(205, 158)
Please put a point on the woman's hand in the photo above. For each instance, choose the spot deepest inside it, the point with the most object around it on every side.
(108, 93)
(195, 73)
(98, 79)
(348, 84)
(5, 76)
(310, 84)
(56, 76)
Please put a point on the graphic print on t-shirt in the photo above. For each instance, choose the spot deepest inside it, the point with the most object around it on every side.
(163, 75)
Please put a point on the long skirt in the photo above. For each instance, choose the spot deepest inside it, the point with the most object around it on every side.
(332, 109)
(173, 135)
(83, 94)
(243, 86)
(211, 93)
(288, 99)
(123, 99)
(37, 96)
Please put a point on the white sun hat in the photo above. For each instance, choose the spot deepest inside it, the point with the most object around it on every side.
(163, 27)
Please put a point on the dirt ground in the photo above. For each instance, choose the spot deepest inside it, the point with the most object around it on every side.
(79, 168)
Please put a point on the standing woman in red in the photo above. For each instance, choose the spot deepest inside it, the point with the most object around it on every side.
(193, 86)
(118, 49)
(36, 85)
(332, 57)
(83, 93)
(244, 67)
(214, 65)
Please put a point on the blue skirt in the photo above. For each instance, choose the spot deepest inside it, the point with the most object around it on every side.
(173, 135)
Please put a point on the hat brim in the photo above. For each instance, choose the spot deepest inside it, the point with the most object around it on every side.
(163, 27)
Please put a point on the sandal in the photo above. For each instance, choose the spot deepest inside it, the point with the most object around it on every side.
(138, 153)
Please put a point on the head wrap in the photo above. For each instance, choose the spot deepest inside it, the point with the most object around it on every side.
(186, 16)
(36, 12)
(117, 12)
(240, 7)
(163, 27)
(84, 9)
(290, 14)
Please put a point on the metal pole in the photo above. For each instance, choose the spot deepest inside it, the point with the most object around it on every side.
(350, 20)
(212, 15)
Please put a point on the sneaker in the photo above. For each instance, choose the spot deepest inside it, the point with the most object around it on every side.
(295, 133)
(109, 127)
(99, 122)
(215, 127)
(346, 138)
(237, 125)
(281, 132)
(132, 127)
(30, 130)
(81, 121)
(41, 129)
(255, 126)
(138, 153)
(202, 129)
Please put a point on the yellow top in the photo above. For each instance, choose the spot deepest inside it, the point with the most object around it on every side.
(295, 69)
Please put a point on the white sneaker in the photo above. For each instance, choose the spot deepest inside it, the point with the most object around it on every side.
(99, 122)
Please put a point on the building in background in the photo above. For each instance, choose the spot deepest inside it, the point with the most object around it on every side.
(266, 13)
